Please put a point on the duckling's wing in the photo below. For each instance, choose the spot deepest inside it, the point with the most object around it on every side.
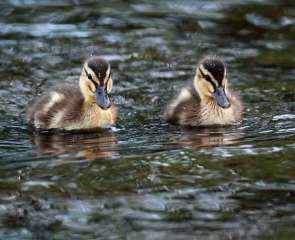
(184, 110)
(35, 114)
(71, 108)
(55, 106)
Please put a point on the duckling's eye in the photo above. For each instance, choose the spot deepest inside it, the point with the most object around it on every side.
(207, 78)
(90, 77)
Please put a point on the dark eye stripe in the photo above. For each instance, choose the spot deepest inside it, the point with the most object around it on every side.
(110, 74)
(207, 78)
(90, 78)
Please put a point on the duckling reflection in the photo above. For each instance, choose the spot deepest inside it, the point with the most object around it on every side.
(206, 138)
(87, 146)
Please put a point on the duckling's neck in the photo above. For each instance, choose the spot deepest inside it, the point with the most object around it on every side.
(210, 103)
(89, 100)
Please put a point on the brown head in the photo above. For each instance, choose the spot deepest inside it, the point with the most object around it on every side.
(96, 82)
(210, 81)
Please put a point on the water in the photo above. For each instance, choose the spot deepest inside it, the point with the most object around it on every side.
(145, 179)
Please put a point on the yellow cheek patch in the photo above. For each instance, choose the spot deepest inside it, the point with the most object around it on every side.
(205, 88)
(91, 87)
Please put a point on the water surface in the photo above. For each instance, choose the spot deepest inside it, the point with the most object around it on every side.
(145, 179)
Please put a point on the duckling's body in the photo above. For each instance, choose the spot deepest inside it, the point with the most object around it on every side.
(206, 102)
(69, 107)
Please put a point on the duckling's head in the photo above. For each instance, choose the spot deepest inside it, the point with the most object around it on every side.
(210, 81)
(96, 82)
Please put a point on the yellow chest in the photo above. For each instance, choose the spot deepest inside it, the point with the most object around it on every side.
(95, 117)
(211, 114)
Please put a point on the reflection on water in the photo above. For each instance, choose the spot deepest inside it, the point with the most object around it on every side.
(99, 145)
(197, 139)
(147, 179)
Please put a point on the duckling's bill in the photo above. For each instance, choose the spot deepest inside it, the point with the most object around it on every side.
(221, 97)
(102, 98)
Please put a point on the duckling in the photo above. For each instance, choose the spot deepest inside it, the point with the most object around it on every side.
(70, 107)
(207, 100)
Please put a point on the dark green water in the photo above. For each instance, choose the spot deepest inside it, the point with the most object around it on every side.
(145, 179)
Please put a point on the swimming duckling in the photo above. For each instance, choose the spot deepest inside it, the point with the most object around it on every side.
(70, 107)
(207, 101)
